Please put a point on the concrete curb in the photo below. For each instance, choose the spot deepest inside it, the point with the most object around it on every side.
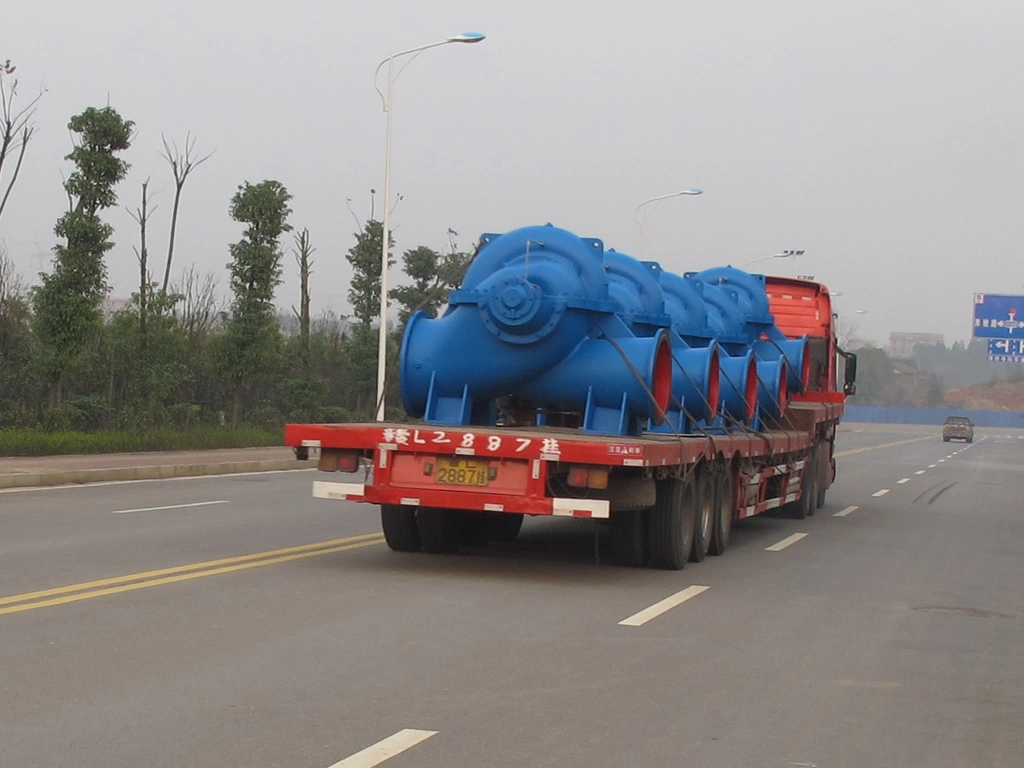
(157, 472)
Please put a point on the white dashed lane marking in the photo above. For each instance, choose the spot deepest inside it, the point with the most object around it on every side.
(662, 606)
(845, 512)
(881, 492)
(384, 750)
(785, 542)
(904, 481)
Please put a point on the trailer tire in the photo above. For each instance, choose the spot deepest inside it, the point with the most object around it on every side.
(629, 537)
(804, 507)
(473, 529)
(704, 517)
(812, 487)
(725, 502)
(670, 524)
(504, 526)
(438, 531)
(399, 525)
(824, 464)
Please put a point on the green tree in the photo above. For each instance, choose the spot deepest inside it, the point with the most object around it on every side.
(364, 256)
(145, 365)
(251, 344)
(68, 303)
(16, 382)
(875, 378)
(433, 277)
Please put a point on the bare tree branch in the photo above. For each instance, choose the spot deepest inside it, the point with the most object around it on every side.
(16, 127)
(303, 256)
(182, 164)
(141, 217)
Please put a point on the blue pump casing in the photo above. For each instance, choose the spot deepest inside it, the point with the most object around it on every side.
(548, 322)
(531, 322)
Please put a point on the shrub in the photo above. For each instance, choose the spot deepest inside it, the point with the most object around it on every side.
(37, 442)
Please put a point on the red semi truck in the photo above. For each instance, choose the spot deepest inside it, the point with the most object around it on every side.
(668, 498)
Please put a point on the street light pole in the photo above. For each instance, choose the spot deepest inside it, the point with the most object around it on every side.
(382, 345)
(780, 255)
(643, 206)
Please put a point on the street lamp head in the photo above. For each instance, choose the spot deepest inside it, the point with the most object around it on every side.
(467, 37)
(642, 222)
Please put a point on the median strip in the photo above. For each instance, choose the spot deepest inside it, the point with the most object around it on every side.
(117, 584)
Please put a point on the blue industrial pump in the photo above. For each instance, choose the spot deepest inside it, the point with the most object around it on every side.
(533, 325)
(549, 328)
(642, 308)
(749, 318)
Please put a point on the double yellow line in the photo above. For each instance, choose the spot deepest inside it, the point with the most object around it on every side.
(112, 586)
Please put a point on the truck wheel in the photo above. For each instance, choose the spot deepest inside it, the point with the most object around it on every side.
(473, 528)
(670, 524)
(704, 524)
(824, 464)
(629, 537)
(725, 502)
(399, 526)
(438, 531)
(804, 507)
(504, 526)
(812, 487)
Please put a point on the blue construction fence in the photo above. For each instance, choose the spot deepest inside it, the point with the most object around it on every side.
(880, 414)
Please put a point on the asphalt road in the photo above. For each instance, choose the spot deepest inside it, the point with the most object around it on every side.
(236, 621)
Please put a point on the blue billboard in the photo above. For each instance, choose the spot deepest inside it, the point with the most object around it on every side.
(998, 317)
(1006, 350)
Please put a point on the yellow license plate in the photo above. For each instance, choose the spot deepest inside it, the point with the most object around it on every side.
(462, 472)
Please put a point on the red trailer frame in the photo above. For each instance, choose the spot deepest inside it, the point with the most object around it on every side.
(505, 471)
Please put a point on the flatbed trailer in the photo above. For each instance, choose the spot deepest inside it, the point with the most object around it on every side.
(668, 498)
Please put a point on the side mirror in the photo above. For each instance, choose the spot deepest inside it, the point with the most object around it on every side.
(849, 387)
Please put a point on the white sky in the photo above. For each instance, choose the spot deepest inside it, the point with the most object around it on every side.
(886, 138)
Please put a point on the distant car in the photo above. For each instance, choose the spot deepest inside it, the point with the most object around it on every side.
(958, 428)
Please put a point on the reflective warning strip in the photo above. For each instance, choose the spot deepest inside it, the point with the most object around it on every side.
(769, 504)
(599, 508)
(342, 491)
